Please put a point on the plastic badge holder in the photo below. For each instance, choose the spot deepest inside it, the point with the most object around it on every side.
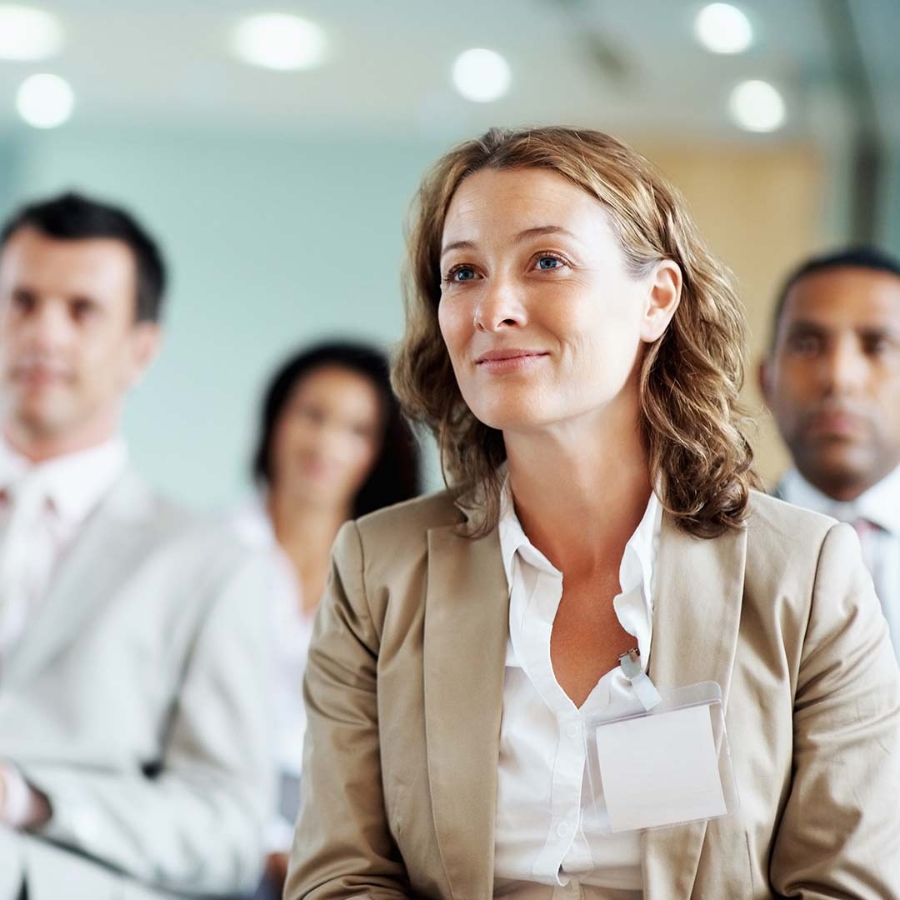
(665, 766)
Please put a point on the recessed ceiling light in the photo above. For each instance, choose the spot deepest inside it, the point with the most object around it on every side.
(757, 106)
(481, 75)
(28, 34)
(723, 28)
(279, 41)
(45, 101)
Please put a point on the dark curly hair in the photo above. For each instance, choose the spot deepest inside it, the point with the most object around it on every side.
(396, 474)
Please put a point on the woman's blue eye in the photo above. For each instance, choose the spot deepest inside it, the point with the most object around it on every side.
(464, 274)
(548, 262)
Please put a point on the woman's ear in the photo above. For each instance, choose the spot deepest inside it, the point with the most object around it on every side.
(663, 297)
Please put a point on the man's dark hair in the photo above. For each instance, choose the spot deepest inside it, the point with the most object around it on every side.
(395, 475)
(850, 258)
(73, 217)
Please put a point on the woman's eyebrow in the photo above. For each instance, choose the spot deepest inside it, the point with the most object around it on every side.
(457, 245)
(541, 230)
(525, 235)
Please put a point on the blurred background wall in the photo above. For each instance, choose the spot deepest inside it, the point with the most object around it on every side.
(279, 194)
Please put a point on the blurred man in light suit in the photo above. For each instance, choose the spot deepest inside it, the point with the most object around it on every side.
(832, 381)
(134, 734)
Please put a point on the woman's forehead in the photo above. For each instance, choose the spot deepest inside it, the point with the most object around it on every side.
(510, 201)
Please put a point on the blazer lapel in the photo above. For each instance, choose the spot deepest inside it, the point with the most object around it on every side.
(697, 610)
(98, 562)
(466, 629)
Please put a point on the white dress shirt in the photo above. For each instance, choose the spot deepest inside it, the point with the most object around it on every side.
(551, 840)
(69, 487)
(291, 632)
(66, 490)
(880, 505)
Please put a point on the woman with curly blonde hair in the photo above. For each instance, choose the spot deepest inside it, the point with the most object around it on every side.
(577, 352)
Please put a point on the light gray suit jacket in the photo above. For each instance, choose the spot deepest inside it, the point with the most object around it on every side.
(137, 702)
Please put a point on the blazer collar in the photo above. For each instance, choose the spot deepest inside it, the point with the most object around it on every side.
(100, 559)
(697, 614)
(466, 629)
(469, 500)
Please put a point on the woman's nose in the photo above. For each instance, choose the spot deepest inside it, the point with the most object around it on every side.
(499, 306)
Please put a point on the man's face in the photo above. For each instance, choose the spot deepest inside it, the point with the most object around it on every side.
(833, 379)
(69, 343)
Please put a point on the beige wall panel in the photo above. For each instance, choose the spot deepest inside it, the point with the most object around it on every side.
(760, 210)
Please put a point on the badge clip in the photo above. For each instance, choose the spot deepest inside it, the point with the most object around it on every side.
(630, 664)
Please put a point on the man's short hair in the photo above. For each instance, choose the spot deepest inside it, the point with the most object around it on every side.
(72, 216)
(861, 257)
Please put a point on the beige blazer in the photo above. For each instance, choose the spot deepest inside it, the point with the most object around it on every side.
(137, 702)
(404, 690)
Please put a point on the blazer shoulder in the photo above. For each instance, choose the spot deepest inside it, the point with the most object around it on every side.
(784, 540)
(411, 519)
(783, 522)
(393, 542)
(169, 536)
(134, 501)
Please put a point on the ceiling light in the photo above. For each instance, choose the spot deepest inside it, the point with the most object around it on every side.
(481, 75)
(28, 34)
(45, 101)
(723, 28)
(757, 106)
(279, 41)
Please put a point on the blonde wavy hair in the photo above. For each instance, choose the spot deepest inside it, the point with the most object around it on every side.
(690, 377)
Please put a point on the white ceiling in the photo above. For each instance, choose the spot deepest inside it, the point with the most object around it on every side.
(629, 65)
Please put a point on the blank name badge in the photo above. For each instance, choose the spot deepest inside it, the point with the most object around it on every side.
(668, 766)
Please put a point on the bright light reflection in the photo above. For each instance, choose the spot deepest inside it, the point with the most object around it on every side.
(723, 28)
(45, 101)
(757, 106)
(481, 75)
(279, 41)
(28, 34)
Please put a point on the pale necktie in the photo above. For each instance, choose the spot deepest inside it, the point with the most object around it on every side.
(20, 557)
(866, 531)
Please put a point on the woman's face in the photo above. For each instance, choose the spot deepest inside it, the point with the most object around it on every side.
(328, 437)
(542, 320)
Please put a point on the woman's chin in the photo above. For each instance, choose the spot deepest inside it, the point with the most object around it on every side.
(513, 418)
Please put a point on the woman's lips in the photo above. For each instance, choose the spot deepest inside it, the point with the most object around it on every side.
(497, 361)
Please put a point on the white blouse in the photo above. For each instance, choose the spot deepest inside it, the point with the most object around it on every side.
(290, 634)
(551, 840)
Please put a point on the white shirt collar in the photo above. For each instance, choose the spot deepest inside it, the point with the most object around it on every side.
(880, 504)
(75, 482)
(635, 571)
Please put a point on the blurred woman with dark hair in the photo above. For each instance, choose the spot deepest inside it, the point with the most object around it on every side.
(332, 446)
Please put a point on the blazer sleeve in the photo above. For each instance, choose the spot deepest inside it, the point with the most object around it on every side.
(196, 823)
(342, 847)
(840, 832)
